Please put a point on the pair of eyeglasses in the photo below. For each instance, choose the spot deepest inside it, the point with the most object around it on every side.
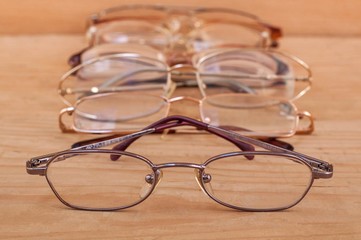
(233, 88)
(90, 178)
(180, 28)
(257, 71)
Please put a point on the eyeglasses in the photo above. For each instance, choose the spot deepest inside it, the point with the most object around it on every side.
(256, 71)
(122, 113)
(127, 91)
(89, 178)
(180, 28)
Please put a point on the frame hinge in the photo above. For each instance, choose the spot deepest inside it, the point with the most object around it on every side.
(323, 170)
(32, 166)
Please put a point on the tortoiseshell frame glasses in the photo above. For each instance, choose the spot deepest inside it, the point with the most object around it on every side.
(228, 178)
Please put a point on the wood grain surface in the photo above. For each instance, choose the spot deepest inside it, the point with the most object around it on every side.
(30, 67)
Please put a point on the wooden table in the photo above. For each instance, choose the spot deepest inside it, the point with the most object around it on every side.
(30, 66)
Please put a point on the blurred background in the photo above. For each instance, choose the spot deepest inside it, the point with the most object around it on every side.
(305, 17)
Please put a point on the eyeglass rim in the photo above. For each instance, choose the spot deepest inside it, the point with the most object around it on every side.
(200, 168)
(63, 92)
(137, 156)
(264, 153)
(298, 61)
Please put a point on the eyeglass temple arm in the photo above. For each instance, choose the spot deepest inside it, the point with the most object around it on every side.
(75, 59)
(270, 140)
(275, 33)
(322, 169)
(176, 121)
(37, 165)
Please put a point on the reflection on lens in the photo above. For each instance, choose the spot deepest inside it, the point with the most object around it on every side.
(266, 73)
(119, 111)
(92, 180)
(267, 182)
(215, 35)
(112, 71)
(125, 49)
(251, 115)
(139, 25)
(136, 32)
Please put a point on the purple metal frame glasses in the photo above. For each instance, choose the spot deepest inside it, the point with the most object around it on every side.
(317, 168)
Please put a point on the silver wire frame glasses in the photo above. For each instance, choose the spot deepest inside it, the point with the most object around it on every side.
(89, 178)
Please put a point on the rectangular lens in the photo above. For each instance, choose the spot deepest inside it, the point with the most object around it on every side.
(94, 181)
(110, 73)
(117, 112)
(247, 71)
(267, 182)
(249, 114)
(219, 28)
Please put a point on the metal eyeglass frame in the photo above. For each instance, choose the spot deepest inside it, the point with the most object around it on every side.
(268, 33)
(319, 168)
(182, 71)
(181, 75)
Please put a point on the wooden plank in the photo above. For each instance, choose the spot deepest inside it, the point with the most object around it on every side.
(29, 70)
(322, 17)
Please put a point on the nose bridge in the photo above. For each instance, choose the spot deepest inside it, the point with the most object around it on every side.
(185, 75)
(179, 164)
(180, 17)
(187, 98)
(183, 67)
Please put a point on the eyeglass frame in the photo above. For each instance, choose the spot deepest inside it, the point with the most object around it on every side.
(193, 69)
(94, 91)
(269, 33)
(319, 168)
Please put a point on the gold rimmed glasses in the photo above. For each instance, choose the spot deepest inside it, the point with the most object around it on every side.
(257, 71)
(120, 112)
(247, 179)
(235, 87)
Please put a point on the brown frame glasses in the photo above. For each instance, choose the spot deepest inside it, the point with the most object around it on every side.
(279, 162)
(183, 19)
(176, 28)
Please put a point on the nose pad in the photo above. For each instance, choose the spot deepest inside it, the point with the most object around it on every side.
(206, 179)
(150, 179)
